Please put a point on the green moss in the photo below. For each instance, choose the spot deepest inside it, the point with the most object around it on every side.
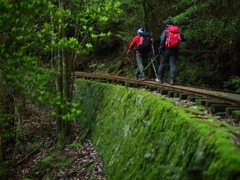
(143, 136)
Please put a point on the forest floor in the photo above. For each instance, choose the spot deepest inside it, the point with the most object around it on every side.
(37, 156)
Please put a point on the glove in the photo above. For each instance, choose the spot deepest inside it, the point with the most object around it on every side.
(160, 51)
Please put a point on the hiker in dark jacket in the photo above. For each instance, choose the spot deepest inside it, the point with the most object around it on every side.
(140, 57)
(168, 54)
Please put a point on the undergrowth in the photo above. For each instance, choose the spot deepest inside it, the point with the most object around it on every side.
(38, 157)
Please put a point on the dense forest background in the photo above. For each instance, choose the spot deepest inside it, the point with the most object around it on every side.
(43, 41)
(209, 57)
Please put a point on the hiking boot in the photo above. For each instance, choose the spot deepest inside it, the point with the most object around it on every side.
(172, 82)
(142, 79)
(136, 77)
(160, 81)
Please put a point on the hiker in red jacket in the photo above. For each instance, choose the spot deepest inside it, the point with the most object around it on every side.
(143, 43)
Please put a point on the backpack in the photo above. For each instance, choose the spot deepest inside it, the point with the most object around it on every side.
(144, 43)
(173, 37)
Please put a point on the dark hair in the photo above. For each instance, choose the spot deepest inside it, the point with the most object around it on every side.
(169, 23)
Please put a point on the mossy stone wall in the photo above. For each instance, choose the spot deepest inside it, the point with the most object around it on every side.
(142, 136)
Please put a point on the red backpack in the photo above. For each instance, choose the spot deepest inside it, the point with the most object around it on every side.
(173, 37)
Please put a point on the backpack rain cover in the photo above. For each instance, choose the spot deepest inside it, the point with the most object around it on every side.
(173, 37)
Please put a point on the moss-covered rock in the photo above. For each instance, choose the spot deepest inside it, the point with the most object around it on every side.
(142, 136)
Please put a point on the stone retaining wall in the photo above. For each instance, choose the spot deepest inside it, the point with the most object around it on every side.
(143, 136)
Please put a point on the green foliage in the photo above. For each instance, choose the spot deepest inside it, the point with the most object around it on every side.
(233, 83)
(7, 130)
(21, 69)
(76, 144)
(89, 19)
(97, 67)
(192, 72)
(72, 109)
(211, 36)
(46, 160)
(44, 164)
(39, 35)
(92, 166)
(50, 162)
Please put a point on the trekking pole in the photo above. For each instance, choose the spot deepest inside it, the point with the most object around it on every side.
(154, 69)
(152, 62)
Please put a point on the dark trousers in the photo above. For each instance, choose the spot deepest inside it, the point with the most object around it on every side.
(171, 55)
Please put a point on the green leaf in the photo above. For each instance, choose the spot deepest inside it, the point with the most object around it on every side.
(89, 45)
(147, 155)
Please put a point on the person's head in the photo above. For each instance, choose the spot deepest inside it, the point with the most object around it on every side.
(169, 23)
(140, 30)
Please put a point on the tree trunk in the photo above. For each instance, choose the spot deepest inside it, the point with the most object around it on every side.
(145, 15)
(6, 123)
(63, 87)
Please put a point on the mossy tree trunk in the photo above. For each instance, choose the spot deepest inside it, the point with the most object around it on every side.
(63, 85)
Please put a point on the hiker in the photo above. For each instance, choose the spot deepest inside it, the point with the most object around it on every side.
(170, 40)
(142, 42)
